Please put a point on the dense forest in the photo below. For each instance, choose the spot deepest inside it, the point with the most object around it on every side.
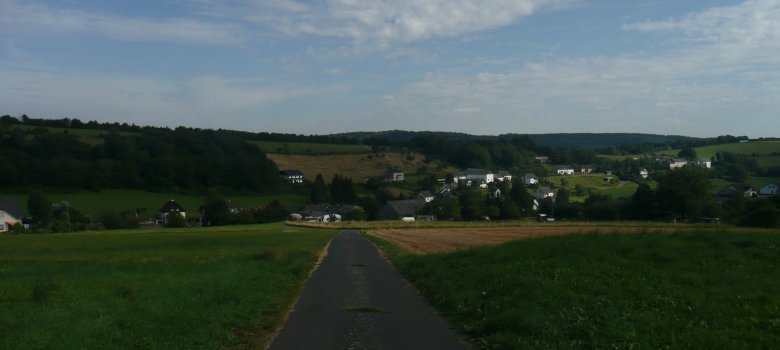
(153, 158)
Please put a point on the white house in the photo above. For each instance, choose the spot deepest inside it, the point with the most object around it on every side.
(564, 170)
(677, 163)
(10, 214)
(586, 169)
(704, 163)
(768, 190)
(530, 179)
(643, 173)
(481, 176)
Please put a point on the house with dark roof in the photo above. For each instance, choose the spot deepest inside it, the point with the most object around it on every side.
(11, 213)
(736, 190)
(768, 190)
(427, 196)
(502, 175)
(543, 192)
(407, 209)
(170, 208)
(530, 179)
(292, 176)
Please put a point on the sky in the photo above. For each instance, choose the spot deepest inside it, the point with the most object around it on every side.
(683, 67)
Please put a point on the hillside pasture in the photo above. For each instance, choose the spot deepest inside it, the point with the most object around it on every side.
(308, 148)
(94, 203)
(204, 288)
(596, 182)
(359, 167)
(705, 289)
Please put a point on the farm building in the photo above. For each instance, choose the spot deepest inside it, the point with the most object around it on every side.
(292, 176)
(394, 175)
(327, 212)
(11, 213)
(406, 210)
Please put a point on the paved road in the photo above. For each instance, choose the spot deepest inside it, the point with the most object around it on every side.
(356, 300)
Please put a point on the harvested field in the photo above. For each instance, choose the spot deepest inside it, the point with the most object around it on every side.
(426, 241)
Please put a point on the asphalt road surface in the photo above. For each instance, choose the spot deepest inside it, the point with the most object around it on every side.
(356, 300)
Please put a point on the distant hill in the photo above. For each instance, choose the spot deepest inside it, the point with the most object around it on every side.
(601, 140)
(575, 140)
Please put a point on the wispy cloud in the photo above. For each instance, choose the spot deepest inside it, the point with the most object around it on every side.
(383, 23)
(206, 101)
(15, 17)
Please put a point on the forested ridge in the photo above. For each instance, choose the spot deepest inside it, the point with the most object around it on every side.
(149, 158)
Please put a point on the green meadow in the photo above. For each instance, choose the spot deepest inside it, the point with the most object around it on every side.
(93, 203)
(700, 290)
(596, 183)
(209, 288)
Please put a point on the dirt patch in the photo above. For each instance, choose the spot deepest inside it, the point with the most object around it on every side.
(426, 241)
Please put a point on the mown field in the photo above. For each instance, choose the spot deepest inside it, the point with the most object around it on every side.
(356, 166)
(93, 203)
(699, 289)
(309, 148)
(165, 289)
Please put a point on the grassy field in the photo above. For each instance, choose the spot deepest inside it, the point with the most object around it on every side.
(595, 182)
(705, 290)
(309, 148)
(165, 289)
(355, 166)
(93, 203)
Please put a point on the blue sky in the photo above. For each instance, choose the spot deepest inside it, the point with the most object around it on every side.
(699, 68)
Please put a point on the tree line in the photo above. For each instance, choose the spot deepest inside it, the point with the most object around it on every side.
(156, 158)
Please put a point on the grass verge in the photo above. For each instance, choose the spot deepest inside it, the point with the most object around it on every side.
(699, 289)
(178, 289)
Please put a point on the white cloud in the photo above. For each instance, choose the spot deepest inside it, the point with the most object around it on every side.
(725, 77)
(383, 23)
(26, 17)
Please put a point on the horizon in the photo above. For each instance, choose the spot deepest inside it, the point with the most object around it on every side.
(695, 69)
(382, 131)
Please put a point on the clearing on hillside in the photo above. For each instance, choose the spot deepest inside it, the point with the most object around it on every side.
(356, 166)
